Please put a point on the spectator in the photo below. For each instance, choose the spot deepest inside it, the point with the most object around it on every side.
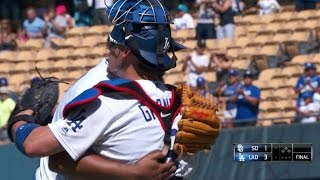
(22, 35)
(12, 95)
(307, 82)
(183, 19)
(305, 4)
(309, 111)
(11, 10)
(99, 17)
(205, 28)
(7, 37)
(268, 6)
(221, 64)
(56, 24)
(41, 6)
(226, 27)
(7, 105)
(201, 88)
(83, 14)
(61, 10)
(34, 26)
(247, 102)
(237, 7)
(228, 93)
(197, 62)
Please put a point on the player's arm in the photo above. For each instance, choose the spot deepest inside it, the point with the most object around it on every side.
(26, 136)
(94, 166)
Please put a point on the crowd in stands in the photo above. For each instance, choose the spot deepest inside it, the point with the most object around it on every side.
(47, 22)
(234, 89)
(308, 90)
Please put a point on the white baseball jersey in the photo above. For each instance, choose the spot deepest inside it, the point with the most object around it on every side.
(113, 127)
(92, 77)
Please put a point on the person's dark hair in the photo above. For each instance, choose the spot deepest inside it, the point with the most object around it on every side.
(201, 43)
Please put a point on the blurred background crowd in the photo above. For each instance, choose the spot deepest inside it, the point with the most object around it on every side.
(239, 91)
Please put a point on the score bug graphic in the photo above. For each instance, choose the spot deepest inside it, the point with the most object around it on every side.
(272, 152)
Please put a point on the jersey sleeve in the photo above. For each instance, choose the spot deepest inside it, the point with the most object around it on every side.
(81, 129)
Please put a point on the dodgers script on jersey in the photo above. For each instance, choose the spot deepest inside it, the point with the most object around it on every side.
(92, 77)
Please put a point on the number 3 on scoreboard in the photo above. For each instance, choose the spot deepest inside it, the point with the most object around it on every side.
(265, 157)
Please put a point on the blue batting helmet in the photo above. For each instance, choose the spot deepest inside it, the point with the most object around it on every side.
(144, 27)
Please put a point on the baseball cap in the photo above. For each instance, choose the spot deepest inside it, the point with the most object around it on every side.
(3, 82)
(233, 72)
(307, 95)
(183, 8)
(248, 74)
(4, 90)
(61, 9)
(309, 65)
(34, 80)
(201, 81)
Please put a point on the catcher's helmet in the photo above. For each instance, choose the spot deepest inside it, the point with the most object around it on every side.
(144, 27)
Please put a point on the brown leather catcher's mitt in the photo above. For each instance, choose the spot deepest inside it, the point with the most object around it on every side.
(199, 126)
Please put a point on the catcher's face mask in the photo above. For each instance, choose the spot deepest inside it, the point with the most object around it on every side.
(144, 27)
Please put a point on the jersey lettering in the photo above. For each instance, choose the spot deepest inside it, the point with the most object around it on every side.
(76, 121)
(147, 113)
(164, 102)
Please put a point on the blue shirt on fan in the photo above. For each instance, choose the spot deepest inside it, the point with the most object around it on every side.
(35, 26)
(246, 111)
(231, 90)
(314, 82)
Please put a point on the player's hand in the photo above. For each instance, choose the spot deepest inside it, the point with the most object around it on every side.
(149, 167)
